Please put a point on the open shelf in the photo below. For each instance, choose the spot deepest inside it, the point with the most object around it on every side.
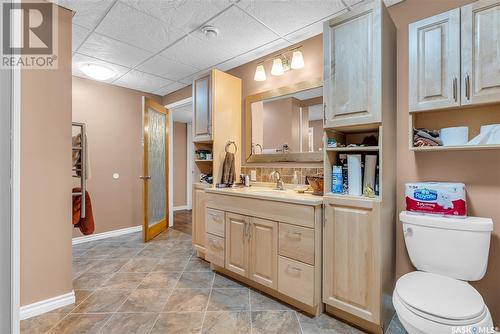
(455, 148)
(203, 160)
(354, 149)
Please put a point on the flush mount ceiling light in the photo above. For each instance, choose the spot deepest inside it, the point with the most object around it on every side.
(297, 60)
(277, 68)
(281, 64)
(260, 73)
(97, 72)
(210, 31)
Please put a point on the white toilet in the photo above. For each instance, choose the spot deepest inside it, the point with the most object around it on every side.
(447, 253)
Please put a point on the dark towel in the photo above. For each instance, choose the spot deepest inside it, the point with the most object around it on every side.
(228, 169)
(86, 225)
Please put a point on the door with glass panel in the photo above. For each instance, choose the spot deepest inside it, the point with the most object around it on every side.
(155, 168)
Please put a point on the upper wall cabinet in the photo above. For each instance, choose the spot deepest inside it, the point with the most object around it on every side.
(353, 66)
(435, 62)
(454, 58)
(202, 113)
(481, 52)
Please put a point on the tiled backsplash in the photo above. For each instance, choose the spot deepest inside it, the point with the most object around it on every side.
(263, 173)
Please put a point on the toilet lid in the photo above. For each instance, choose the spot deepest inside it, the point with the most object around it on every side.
(440, 296)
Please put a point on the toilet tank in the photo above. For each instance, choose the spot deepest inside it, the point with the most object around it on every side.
(453, 247)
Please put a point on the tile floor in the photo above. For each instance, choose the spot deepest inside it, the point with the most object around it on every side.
(125, 286)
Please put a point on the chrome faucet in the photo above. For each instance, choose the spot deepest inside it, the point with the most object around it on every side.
(280, 185)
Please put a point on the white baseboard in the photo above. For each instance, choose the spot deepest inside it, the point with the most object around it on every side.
(47, 305)
(104, 235)
(182, 207)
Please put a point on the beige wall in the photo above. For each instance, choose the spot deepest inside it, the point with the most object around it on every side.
(180, 164)
(480, 170)
(113, 116)
(46, 175)
(318, 134)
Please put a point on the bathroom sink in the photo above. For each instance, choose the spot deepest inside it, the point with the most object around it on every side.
(268, 193)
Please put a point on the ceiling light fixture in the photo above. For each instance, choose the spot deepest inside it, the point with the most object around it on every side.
(297, 60)
(286, 61)
(97, 72)
(277, 68)
(210, 31)
(260, 73)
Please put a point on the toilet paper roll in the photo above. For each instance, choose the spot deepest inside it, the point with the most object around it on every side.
(369, 175)
(454, 136)
(354, 174)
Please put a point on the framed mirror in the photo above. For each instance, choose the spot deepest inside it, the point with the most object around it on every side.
(285, 124)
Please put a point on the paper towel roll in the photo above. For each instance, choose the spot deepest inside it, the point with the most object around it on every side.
(369, 175)
(354, 174)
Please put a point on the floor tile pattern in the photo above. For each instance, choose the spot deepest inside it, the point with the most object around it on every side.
(125, 286)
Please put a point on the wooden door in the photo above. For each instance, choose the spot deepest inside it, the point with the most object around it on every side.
(350, 262)
(198, 219)
(352, 78)
(155, 169)
(202, 113)
(434, 62)
(481, 52)
(237, 243)
(264, 252)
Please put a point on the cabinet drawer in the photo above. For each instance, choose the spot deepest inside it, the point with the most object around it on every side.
(215, 222)
(296, 280)
(296, 242)
(214, 249)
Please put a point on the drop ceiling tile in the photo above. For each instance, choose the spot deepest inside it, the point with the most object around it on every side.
(285, 17)
(311, 30)
(79, 34)
(190, 78)
(259, 52)
(184, 15)
(195, 52)
(79, 60)
(166, 68)
(169, 88)
(88, 12)
(136, 28)
(238, 32)
(141, 81)
(113, 51)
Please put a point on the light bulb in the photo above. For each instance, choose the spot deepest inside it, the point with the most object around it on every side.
(97, 72)
(260, 73)
(297, 60)
(277, 68)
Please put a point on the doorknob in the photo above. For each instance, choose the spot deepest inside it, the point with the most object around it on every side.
(145, 177)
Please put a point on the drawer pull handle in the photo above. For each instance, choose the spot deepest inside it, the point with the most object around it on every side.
(293, 235)
(293, 270)
(215, 217)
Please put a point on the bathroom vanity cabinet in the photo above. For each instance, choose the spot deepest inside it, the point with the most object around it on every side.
(454, 58)
(271, 243)
(355, 48)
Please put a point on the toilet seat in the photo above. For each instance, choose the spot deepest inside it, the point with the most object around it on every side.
(440, 299)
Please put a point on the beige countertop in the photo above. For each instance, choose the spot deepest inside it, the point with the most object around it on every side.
(266, 193)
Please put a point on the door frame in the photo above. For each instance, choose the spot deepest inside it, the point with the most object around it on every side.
(189, 157)
(161, 225)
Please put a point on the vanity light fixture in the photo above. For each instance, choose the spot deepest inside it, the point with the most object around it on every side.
(286, 61)
(97, 72)
(260, 73)
(297, 60)
(277, 68)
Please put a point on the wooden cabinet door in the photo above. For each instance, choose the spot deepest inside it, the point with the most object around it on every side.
(481, 52)
(264, 252)
(434, 62)
(350, 260)
(352, 78)
(237, 243)
(198, 219)
(202, 112)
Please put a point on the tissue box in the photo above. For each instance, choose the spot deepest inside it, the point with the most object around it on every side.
(438, 198)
